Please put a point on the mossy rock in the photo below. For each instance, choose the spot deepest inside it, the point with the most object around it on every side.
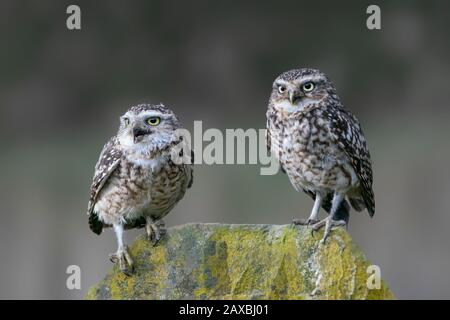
(217, 261)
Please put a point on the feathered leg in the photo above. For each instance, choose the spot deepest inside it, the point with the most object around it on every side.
(313, 218)
(329, 221)
(122, 257)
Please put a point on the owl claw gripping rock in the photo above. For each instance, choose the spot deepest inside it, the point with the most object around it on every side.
(135, 182)
(320, 146)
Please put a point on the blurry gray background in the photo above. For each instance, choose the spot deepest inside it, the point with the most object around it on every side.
(62, 92)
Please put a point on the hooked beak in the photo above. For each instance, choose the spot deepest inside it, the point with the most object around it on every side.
(139, 134)
(294, 96)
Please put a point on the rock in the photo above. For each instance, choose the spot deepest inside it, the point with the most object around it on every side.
(217, 261)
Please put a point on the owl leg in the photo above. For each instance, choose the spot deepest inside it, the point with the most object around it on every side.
(329, 221)
(155, 229)
(122, 257)
(313, 218)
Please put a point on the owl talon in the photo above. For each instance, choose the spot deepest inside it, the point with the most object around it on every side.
(318, 225)
(123, 259)
(155, 231)
(303, 222)
(328, 223)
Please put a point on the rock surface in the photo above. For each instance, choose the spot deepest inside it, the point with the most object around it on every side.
(216, 261)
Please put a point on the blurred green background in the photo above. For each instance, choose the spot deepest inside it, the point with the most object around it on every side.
(62, 92)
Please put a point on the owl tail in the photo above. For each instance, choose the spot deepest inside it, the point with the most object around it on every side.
(357, 204)
(95, 224)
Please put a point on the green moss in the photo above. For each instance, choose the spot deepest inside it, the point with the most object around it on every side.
(212, 261)
(91, 294)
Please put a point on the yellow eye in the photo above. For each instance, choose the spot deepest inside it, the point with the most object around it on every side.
(308, 87)
(153, 121)
(126, 121)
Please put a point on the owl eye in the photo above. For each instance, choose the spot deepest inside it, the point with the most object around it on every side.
(281, 89)
(153, 121)
(126, 121)
(308, 87)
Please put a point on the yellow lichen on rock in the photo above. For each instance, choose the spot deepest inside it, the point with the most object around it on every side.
(215, 261)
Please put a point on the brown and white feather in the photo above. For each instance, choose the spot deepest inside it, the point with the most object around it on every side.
(320, 144)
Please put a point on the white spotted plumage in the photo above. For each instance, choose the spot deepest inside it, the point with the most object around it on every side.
(135, 182)
(320, 145)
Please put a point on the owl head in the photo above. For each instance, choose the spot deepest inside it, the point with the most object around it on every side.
(296, 89)
(146, 127)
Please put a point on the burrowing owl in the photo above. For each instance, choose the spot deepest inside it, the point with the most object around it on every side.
(320, 145)
(136, 183)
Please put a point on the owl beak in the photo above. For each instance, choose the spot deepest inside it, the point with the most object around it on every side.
(294, 96)
(139, 134)
(291, 97)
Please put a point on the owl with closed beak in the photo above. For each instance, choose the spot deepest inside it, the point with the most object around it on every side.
(136, 182)
(320, 146)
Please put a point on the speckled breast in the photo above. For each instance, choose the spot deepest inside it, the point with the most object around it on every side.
(135, 191)
(308, 155)
(168, 187)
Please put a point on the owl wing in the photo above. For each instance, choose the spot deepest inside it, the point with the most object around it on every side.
(191, 170)
(269, 145)
(347, 133)
(268, 139)
(106, 164)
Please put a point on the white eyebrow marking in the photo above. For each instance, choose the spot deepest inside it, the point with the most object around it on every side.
(153, 114)
(281, 81)
(149, 113)
(314, 78)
